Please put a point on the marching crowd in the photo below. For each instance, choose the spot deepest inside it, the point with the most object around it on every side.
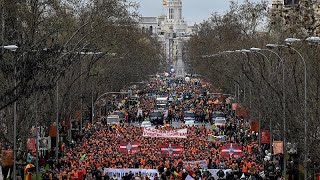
(99, 147)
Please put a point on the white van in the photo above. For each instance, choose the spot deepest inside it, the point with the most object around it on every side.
(162, 102)
(113, 119)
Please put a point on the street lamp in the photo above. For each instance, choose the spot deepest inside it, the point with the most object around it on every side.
(292, 40)
(283, 104)
(228, 52)
(10, 47)
(313, 39)
(14, 48)
(245, 50)
(256, 50)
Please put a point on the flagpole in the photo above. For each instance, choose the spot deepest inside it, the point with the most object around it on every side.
(164, 4)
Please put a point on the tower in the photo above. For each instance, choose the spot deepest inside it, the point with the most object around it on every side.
(175, 28)
(174, 10)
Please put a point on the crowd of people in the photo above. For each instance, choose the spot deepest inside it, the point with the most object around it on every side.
(98, 148)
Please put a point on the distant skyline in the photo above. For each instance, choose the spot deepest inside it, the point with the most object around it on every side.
(194, 11)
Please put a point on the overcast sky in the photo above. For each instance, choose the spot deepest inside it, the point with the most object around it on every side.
(193, 10)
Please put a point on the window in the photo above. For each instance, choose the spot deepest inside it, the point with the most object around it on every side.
(291, 2)
(151, 29)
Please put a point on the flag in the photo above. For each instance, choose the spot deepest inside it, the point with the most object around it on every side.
(129, 148)
(164, 2)
(265, 137)
(53, 130)
(234, 106)
(278, 147)
(254, 125)
(171, 150)
(232, 150)
(31, 144)
(243, 112)
(28, 166)
(7, 157)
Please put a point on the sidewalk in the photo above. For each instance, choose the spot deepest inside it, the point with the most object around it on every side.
(1, 178)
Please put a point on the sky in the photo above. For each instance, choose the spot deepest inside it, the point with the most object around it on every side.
(193, 11)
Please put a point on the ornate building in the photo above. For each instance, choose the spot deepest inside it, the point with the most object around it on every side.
(172, 31)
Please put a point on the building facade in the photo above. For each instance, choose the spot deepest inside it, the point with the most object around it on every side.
(172, 31)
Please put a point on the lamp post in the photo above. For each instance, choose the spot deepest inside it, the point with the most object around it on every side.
(57, 122)
(253, 50)
(14, 48)
(290, 41)
(57, 101)
(237, 83)
(283, 105)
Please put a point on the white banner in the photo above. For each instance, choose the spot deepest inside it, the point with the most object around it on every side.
(178, 133)
(119, 173)
(193, 164)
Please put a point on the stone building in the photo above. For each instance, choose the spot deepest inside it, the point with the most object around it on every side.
(172, 31)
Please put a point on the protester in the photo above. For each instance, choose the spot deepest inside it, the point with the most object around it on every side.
(99, 146)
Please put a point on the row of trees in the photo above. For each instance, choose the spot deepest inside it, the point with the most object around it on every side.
(75, 48)
(255, 81)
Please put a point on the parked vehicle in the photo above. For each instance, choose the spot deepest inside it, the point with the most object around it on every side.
(220, 121)
(156, 117)
(113, 119)
(189, 116)
(189, 123)
(146, 124)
